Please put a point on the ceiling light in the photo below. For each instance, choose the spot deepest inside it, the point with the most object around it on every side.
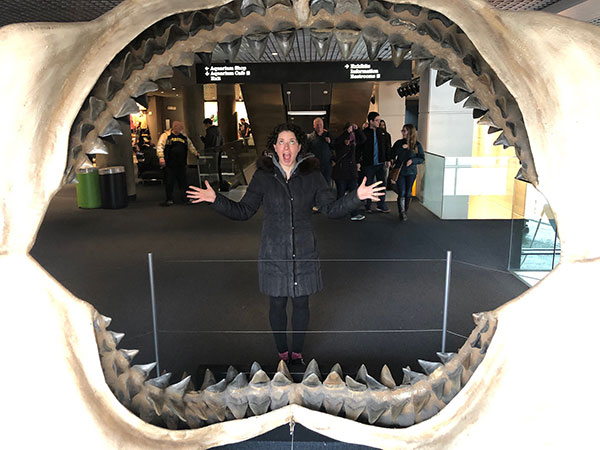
(274, 53)
(325, 92)
(307, 113)
(174, 89)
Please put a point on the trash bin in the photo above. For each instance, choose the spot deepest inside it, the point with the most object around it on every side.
(88, 188)
(113, 187)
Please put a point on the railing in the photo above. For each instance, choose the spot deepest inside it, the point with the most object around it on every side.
(227, 165)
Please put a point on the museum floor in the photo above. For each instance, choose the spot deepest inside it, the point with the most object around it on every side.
(382, 302)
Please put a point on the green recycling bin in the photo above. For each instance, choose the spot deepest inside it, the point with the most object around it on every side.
(88, 188)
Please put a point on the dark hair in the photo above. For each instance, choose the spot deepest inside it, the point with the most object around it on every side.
(207, 121)
(300, 136)
(372, 115)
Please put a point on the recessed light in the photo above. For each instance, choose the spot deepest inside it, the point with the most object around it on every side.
(174, 89)
(274, 53)
(325, 92)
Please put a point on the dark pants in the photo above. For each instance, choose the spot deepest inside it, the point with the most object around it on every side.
(344, 186)
(404, 187)
(278, 319)
(326, 171)
(172, 174)
(375, 173)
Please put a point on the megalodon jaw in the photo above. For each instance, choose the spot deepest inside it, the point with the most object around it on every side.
(534, 75)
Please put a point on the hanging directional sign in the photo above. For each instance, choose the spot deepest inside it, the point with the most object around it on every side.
(303, 72)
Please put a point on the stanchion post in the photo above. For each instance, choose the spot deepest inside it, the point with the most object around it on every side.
(151, 271)
(446, 293)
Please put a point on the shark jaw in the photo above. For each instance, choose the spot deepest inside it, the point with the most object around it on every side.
(531, 67)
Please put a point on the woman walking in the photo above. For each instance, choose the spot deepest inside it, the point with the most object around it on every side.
(287, 183)
(409, 153)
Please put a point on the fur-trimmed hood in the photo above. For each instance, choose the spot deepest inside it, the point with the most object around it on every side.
(307, 162)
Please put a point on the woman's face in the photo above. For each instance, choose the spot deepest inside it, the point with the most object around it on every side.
(350, 129)
(404, 132)
(382, 124)
(287, 148)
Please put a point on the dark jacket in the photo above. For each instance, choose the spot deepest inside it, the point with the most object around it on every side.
(404, 154)
(213, 137)
(364, 152)
(345, 157)
(288, 264)
(318, 146)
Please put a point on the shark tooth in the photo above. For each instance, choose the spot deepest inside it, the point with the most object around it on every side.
(421, 65)
(486, 120)
(333, 380)
(353, 409)
(231, 374)
(428, 366)
(492, 130)
(445, 357)
(239, 382)
(144, 369)
(116, 337)
(413, 9)
(362, 374)
(386, 377)
(252, 6)
(321, 39)
(129, 107)
(459, 83)
(218, 387)
(449, 41)
(502, 140)
(183, 59)
(473, 102)
(420, 400)
(143, 100)
(174, 34)
(398, 54)
(312, 369)
(311, 380)
(284, 39)
(225, 15)
(112, 129)
(373, 384)
(411, 377)
(433, 15)
(111, 87)
(160, 382)
(419, 52)
(259, 405)
(129, 354)
(162, 72)
(257, 43)
(254, 368)
(375, 410)
(351, 6)
(338, 369)
(460, 95)
(488, 82)
(178, 389)
(376, 9)
(230, 49)
(443, 77)
(260, 378)
(96, 106)
(374, 40)
(427, 29)
(317, 5)
(150, 48)
(270, 3)
(473, 63)
(130, 63)
(355, 385)
(164, 84)
(346, 40)
(205, 58)
(478, 113)
(145, 87)
(209, 379)
(199, 21)
(501, 104)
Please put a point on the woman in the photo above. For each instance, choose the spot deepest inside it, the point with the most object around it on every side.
(409, 153)
(288, 183)
(344, 171)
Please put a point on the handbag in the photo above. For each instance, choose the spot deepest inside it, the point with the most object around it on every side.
(395, 173)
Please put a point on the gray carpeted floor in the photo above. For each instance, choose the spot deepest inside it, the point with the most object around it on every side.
(382, 302)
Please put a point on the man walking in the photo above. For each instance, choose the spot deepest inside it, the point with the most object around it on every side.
(172, 150)
(320, 144)
(373, 157)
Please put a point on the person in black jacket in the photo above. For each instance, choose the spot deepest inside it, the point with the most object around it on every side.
(287, 183)
(344, 171)
(373, 157)
(409, 153)
(320, 144)
(213, 137)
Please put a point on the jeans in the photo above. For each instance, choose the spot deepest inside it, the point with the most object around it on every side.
(375, 173)
(172, 174)
(344, 186)
(278, 320)
(405, 185)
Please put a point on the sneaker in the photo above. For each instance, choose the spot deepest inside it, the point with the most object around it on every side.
(297, 363)
(358, 217)
(386, 210)
(167, 203)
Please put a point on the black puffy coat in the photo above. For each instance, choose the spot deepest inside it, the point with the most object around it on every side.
(288, 260)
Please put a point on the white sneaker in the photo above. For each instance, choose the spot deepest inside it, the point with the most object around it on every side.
(359, 217)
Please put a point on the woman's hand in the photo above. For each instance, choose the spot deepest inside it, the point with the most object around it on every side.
(371, 192)
(197, 195)
(409, 162)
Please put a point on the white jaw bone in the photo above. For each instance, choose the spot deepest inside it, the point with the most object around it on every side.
(550, 65)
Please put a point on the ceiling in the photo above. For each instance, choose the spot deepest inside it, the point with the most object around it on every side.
(16, 11)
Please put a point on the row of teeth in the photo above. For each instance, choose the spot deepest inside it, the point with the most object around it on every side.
(180, 41)
(362, 398)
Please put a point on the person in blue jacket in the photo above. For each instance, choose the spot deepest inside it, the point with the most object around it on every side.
(409, 153)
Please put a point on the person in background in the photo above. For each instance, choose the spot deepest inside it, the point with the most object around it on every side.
(320, 144)
(172, 151)
(409, 153)
(373, 157)
(243, 129)
(344, 170)
(213, 137)
(287, 183)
